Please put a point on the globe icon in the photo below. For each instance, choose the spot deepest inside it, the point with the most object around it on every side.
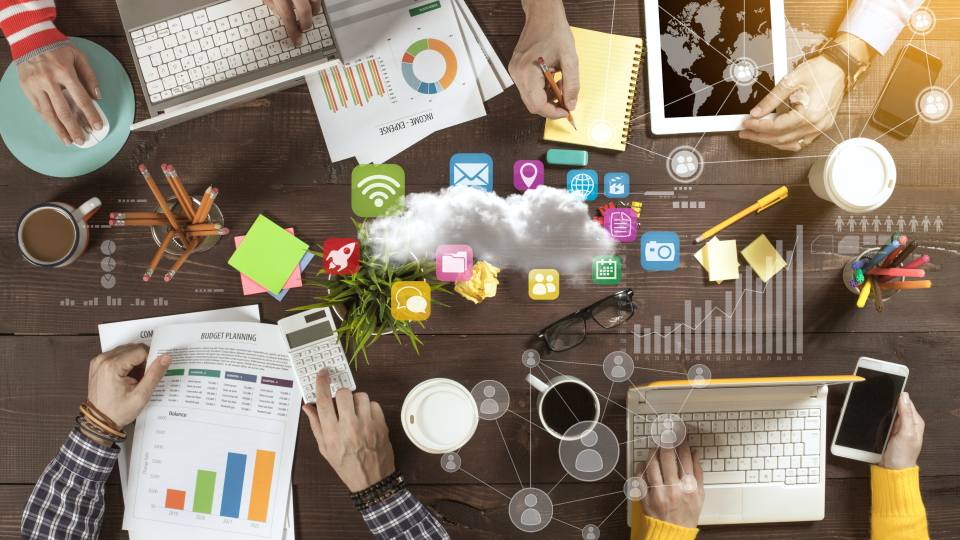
(583, 184)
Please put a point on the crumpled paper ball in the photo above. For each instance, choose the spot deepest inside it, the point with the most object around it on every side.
(482, 285)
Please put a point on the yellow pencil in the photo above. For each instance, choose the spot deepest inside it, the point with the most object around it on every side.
(864, 294)
(760, 206)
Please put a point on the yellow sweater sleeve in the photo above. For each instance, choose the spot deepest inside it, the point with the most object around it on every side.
(898, 512)
(648, 528)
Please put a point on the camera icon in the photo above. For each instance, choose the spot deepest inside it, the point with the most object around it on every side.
(660, 251)
(657, 251)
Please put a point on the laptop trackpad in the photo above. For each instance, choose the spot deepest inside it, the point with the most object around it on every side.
(723, 501)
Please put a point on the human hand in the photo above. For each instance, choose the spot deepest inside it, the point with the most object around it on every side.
(665, 500)
(43, 78)
(546, 34)
(357, 444)
(284, 10)
(112, 387)
(906, 437)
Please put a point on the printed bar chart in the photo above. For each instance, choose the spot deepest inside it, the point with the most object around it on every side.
(203, 493)
(755, 318)
(260, 492)
(233, 485)
(175, 499)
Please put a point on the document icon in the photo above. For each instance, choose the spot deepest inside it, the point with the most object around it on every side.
(621, 223)
(474, 170)
(454, 263)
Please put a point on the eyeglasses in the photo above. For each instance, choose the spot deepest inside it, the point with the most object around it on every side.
(571, 330)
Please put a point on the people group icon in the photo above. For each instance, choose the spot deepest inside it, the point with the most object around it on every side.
(589, 460)
(922, 21)
(688, 484)
(543, 285)
(933, 105)
(530, 516)
(744, 72)
(489, 406)
(685, 165)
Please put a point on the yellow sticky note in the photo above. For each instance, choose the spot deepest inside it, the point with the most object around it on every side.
(702, 257)
(722, 258)
(763, 257)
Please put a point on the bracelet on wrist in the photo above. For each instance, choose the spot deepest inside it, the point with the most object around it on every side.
(93, 422)
(379, 492)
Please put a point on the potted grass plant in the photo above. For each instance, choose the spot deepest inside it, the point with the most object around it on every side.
(365, 296)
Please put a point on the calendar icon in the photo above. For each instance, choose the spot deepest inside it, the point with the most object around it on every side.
(606, 270)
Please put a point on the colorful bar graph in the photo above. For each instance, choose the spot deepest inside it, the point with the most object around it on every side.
(175, 499)
(233, 485)
(260, 490)
(203, 493)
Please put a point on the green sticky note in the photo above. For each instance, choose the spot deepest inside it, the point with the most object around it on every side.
(268, 254)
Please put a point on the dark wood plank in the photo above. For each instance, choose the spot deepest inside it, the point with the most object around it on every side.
(319, 212)
(43, 378)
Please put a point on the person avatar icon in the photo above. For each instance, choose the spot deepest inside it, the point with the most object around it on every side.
(889, 224)
(938, 223)
(667, 436)
(699, 378)
(852, 223)
(589, 460)
(839, 223)
(591, 533)
(901, 224)
(688, 484)
(530, 517)
(926, 224)
(863, 224)
(489, 406)
(635, 489)
(876, 223)
(530, 360)
(551, 287)
(450, 465)
(618, 372)
(539, 289)
(913, 223)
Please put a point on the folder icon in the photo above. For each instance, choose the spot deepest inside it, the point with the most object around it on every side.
(454, 263)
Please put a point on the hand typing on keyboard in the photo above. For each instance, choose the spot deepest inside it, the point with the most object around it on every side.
(664, 499)
(42, 79)
(357, 444)
(285, 9)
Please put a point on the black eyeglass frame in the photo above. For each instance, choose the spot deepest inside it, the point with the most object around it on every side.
(587, 313)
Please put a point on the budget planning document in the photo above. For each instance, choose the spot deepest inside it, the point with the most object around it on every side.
(214, 447)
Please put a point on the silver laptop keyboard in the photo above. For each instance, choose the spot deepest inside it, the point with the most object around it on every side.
(328, 355)
(771, 446)
(218, 43)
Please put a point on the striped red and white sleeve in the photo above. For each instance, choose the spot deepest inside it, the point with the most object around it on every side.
(28, 26)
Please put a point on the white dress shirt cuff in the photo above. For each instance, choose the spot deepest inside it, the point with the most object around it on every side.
(877, 22)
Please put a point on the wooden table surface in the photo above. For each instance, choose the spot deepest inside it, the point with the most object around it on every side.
(268, 156)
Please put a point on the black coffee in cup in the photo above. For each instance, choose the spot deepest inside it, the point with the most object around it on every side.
(567, 404)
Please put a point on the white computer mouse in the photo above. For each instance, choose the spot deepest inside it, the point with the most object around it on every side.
(91, 137)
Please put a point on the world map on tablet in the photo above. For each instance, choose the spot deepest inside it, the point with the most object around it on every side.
(705, 45)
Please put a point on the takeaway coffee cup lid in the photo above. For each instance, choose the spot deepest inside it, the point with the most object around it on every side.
(861, 175)
(439, 415)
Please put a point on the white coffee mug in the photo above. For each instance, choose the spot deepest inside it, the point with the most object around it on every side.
(546, 388)
(858, 176)
(77, 216)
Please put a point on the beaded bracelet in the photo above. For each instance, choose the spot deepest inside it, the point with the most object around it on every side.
(379, 492)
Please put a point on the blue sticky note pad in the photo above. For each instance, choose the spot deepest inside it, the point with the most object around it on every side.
(32, 142)
(307, 257)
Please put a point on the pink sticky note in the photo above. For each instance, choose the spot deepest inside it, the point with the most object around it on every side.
(252, 287)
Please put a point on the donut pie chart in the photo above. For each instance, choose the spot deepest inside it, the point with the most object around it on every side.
(432, 87)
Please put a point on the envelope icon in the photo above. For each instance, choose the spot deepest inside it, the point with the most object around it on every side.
(474, 170)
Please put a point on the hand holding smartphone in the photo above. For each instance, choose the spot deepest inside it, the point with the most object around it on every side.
(869, 410)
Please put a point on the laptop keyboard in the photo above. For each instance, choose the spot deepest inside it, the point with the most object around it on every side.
(766, 446)
(218, 43)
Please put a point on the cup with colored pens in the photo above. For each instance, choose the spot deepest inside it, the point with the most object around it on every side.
(884, 269)
(854, 281)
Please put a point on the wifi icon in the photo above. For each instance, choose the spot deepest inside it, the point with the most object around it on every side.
(376, 190)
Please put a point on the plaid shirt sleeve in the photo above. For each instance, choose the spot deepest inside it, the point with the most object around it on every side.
(67, 502)
(403, 517)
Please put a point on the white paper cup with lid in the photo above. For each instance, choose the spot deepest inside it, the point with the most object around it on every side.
(439, 416)
(858, 176)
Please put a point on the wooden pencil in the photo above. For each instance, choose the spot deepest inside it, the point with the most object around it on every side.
(218, 232)
(205, 203)
(143, 222)
(171, 217)
(156, 258)
(877, 294)
(203, 227)
(186, 203)
(183, 257)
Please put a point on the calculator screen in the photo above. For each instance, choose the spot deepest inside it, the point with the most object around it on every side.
(309, 334)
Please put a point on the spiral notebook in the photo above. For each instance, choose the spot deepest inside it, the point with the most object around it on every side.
(609, 73)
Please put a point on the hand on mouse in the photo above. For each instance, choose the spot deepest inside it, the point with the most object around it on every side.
(664, 499)
(43, 79)
(906, 437)
(546, 34)
(284, 10)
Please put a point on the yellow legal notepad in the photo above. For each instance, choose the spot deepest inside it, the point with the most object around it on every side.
(609, 75)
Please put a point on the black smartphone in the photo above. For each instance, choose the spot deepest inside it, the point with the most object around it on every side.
(913, 72)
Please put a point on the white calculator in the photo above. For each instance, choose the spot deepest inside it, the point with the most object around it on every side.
(313, 345)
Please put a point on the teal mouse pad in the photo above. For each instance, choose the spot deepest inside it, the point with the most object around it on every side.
(32, 141)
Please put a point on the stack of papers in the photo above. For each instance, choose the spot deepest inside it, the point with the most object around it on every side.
(409, 69)
(269, 259)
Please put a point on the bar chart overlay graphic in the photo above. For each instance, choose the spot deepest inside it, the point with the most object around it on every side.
(754, 318)
(449, 70)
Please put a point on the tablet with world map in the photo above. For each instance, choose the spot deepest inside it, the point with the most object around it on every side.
(711, 61)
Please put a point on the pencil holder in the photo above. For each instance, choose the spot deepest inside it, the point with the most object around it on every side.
(175, 247)
(887, 294)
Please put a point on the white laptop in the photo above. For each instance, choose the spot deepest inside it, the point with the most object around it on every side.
(711, 62)
(762, 442)
(194, 57)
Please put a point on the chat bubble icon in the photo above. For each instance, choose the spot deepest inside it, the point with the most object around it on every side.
(410, 300)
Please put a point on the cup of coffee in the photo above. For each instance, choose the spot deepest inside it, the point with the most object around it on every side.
(858, 176)
(439, 416)
(564, 402)
(54, 234)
